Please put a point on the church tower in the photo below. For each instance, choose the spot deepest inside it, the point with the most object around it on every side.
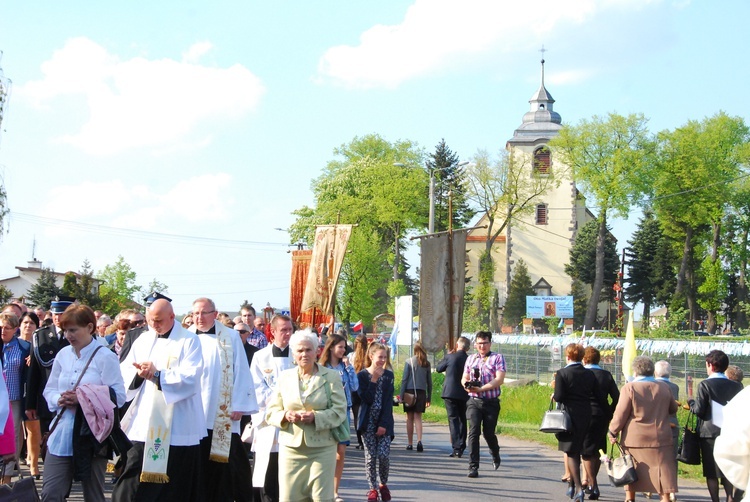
(542, 239)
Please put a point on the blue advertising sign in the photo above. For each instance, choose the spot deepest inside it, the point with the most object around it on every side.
(539, 307)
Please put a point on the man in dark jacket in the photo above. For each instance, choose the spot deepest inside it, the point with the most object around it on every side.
(454, 395)
(46, 343)
(713, 394)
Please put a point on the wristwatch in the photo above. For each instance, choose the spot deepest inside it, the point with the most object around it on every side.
(157, 374)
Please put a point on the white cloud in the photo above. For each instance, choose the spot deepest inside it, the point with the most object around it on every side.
(437, 35)
(197, 200)
(139, 102)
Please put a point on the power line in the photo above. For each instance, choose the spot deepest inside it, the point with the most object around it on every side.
(143, 234)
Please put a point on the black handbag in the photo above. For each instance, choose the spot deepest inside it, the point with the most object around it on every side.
(557, 420)
(621, 471)
(23, 490)
(689, 451)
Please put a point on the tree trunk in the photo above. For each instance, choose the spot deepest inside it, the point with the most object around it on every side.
(742, 287)
(715, 243)
(596, 288)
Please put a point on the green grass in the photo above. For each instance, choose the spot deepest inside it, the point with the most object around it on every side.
(521, 411)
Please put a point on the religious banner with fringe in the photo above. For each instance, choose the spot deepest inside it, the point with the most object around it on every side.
(300, 270)
(328, 253)
(442, 292)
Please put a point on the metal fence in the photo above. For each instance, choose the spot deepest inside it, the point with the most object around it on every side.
(538, 357)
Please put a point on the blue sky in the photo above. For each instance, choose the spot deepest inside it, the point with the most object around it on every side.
(209, 120)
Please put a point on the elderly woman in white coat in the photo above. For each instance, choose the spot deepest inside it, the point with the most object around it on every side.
(309, 403)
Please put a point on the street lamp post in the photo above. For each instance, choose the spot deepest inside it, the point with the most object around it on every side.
(431, 220)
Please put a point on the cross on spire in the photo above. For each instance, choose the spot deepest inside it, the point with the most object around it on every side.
(542, 50)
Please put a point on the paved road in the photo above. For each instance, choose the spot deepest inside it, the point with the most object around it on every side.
(529, 472)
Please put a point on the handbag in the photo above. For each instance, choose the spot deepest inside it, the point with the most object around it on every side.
(557, 420)
(689, 451)
(410, 398)
(342, 432)
(23, 490)
(621, 471)
(45, 437)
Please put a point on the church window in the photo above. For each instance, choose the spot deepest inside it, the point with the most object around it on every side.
(541, 160)
(541, 214)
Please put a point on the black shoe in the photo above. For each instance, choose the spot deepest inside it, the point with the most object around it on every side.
(569, 491)
(496, 462)
(579, 497)
(419, 446)
(456, 454)
(594, 495)
(409, 447)
(473, 473)
(587, 489)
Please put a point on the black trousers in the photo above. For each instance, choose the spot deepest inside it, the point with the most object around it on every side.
(183, 469)
(482, 416)
(227, 482)
(456, 409)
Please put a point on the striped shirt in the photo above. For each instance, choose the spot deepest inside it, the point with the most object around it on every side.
(13, 365)
(488, 368)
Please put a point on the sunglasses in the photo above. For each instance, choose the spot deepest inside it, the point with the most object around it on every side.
(242, 331)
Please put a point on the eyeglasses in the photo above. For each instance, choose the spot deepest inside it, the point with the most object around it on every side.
(9, 328)
(242, 331)
(203, 314)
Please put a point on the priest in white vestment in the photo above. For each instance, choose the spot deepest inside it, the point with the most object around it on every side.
(162, 375)
(227, 394)
(265, 368)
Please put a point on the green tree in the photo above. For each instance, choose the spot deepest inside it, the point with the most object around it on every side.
(44, 290)
(157, 286)
(86, 290)
(642, 282)
(580, 301)
(5, 294)
(368, 183)
(697, 164)
(502, 191)
(449, 179)
(737, 245)
(118, 290)
(3, 207)
(583, 254)
(520, 287)
(611, 160)
(70, 284)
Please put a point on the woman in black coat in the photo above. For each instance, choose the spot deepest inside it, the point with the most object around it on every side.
(575, 388)
(596, 434)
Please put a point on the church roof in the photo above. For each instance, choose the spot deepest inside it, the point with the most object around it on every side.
(541, 121)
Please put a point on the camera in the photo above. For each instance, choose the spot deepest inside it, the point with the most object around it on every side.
(475, 381)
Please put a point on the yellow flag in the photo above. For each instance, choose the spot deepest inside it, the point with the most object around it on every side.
(628, 353)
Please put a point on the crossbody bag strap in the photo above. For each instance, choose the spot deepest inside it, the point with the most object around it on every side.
(413, 377)
(59, 413)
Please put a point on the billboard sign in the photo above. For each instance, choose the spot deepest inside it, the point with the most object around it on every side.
(539, 307)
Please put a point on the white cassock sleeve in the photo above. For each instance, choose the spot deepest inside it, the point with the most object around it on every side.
(243, 392)
(180, 380)
(732, 447)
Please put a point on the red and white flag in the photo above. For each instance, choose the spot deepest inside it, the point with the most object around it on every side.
(357, 326)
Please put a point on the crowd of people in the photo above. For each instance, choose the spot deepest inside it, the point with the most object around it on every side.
(642, 418)
(213, 408)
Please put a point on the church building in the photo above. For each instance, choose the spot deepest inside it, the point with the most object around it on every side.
(543, 238)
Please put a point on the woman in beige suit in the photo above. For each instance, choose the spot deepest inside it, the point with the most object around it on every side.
(642, 414)
(309, 402)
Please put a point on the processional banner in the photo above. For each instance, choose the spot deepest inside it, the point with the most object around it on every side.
(440, 292)
(328, 253)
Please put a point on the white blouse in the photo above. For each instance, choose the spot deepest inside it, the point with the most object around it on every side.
(103, 370)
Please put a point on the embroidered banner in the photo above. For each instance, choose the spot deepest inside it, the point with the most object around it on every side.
(327, 256)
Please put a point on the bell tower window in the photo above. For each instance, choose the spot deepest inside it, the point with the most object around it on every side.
(541, 160)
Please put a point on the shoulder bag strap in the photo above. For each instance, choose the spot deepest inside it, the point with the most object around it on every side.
(413, 377)
(59, 413)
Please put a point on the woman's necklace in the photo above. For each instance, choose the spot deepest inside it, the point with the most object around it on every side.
(305, 379)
